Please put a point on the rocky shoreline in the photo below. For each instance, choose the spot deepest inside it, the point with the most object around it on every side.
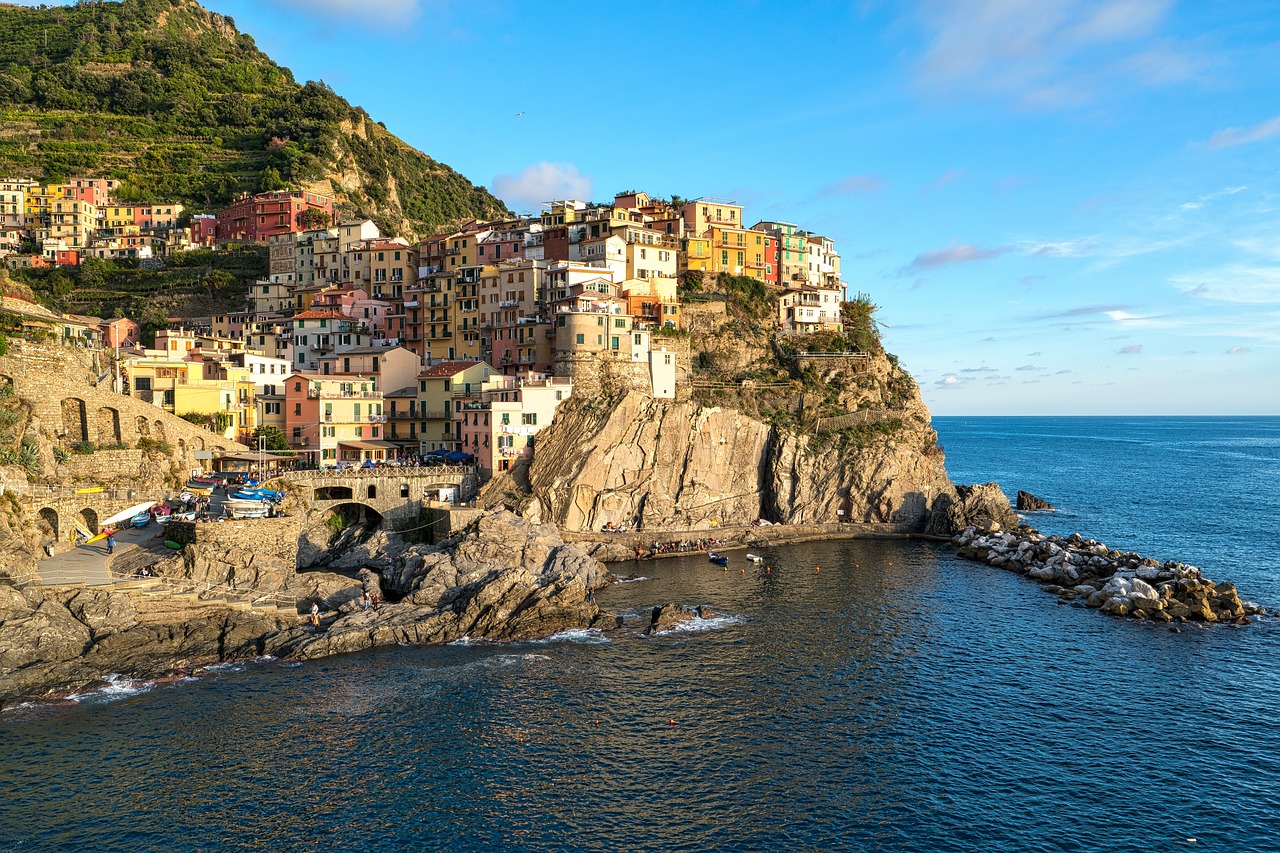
(1118, 583)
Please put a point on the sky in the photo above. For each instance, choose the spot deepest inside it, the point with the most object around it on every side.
(1061, 206)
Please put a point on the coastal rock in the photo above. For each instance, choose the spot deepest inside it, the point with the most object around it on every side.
(1028, 502)
(1119, 584)
(982, 506)
(668, 616)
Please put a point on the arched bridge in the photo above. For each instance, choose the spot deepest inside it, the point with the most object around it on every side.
(394, 493)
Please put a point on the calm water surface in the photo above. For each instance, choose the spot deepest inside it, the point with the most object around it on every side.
(899, 699)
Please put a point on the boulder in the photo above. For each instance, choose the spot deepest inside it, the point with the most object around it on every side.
(1028, 502)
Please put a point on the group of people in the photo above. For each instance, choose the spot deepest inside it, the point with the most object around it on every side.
(615, 528)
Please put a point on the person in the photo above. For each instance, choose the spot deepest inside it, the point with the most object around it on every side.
(315, 614)
(364, 597)
(375, 599)
(111, 543)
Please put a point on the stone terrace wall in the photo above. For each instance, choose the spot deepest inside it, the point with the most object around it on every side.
(69, 409)
(275, 538)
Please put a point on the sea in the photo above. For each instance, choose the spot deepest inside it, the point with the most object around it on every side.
(858, 695)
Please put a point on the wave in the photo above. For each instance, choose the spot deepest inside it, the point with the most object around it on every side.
(117, 687)
(589, 636)
(617, 579)
(698, 626)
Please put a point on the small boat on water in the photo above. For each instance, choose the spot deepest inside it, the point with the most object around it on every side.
(755, 558)
(718, 559)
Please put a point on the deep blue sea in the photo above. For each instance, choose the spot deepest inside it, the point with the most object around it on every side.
(898, 699)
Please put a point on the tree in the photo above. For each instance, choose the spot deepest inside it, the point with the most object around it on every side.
(274, 438)
(312, 218)
(271, 180)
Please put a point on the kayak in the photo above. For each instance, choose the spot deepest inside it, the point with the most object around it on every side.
(103, 535)
(169, 543)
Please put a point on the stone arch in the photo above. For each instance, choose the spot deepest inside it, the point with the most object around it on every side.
(197, 443)
(75, 426)
(404, 489)
(372, 492)
(356, 512)
(49, 522)
(108, 426)
(160, 434)
(144, 427)
(333, 493)
(89, 518)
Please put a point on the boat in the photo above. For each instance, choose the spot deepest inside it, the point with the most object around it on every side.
(162, 513)
(755, 558)
(106, 531)
(91, 490)
(128, 514)
(718, 559)
(142, 519)
(183, 516)
(200, 489)
(257, 511)
(83, 531)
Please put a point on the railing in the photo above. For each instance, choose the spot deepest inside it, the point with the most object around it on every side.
(393, 471)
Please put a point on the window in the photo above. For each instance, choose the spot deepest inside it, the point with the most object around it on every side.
(529, 419)
(582, 339)
(297, 408)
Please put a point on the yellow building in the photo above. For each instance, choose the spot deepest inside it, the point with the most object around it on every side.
(701, 214)
(695, 255)
(195, 387)
(437, 387)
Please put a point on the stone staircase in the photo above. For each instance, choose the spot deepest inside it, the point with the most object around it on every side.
(186, 596)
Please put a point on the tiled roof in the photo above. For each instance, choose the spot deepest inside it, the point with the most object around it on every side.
(447, 368)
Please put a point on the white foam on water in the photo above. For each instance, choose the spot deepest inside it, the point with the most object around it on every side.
(229, 666)
(698, 626)
(117, 687)
(468, 641)
(589, 636)
(632, 580)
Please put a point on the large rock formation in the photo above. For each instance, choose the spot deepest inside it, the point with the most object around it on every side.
(503, 579)
(662, 464)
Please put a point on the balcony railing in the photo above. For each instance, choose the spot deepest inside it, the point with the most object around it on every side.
(509, 303)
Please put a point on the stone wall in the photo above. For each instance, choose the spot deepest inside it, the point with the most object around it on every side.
(272, 538)
(105, 465)
(70, 408)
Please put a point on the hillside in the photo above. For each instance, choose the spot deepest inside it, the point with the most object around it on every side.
(176, 101)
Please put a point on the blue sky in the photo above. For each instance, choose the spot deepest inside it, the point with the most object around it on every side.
(1061, 206)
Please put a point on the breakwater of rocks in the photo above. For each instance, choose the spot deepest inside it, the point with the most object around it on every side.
(1118, 583)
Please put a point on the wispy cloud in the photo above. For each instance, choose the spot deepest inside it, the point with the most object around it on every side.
(1083, 311)
(1028, 367)
(1230, 136)
(542, 182)
(956, 253)
(383, 13)
(941, 181)
(853, 185)
(1233, 283)
(1131, 349)
(1238, 350)
(1046, 54)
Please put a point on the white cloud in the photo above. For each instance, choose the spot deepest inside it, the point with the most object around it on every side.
(542, 182)
(1047, 53)
(1230, 136)
(1233, 283)
(1237, 350)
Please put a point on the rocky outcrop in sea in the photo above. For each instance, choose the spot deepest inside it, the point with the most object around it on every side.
(1028, 502)
(1119, 583)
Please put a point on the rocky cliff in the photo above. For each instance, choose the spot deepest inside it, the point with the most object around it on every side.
(766, 430)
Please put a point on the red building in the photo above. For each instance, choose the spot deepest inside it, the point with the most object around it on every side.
(68, 258)
(259, 217)
(204, 229)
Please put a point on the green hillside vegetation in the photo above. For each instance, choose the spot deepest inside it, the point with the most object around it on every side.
(173, 100)
(192, 284)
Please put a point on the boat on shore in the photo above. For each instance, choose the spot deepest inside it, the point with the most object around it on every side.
(142, 519)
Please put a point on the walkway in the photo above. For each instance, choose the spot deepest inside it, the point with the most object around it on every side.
(89, 564)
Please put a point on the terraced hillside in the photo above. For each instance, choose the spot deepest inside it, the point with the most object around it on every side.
(174, 100)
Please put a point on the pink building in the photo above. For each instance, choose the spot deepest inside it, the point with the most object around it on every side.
(373, 313)
(120, 332)
(204, 229)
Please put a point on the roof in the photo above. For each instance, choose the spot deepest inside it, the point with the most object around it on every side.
(361, 351)
(408, 391)
(368, 445)
(320, 315)
(447, 368)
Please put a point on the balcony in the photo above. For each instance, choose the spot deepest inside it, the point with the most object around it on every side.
(509, 303)
(375, 419)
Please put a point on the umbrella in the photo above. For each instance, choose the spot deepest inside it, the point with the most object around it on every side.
(458, 456)
(440, 452)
